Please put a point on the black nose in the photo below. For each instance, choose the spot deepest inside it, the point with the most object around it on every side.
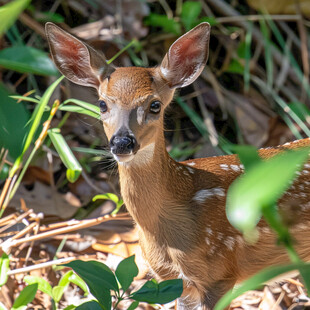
(123, 144)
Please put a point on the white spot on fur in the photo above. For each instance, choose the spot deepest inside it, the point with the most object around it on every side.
(191, 164)
(207, 241)
(241, 166)
(204, 194)
(212, 250)
(307, 166)
(220, 236)
(224, 167)
(235, 167)
(287, 143)
(219, 191)
(209, 231)
(301, 187)
(305, 172)
(230, 243)
(190, 170)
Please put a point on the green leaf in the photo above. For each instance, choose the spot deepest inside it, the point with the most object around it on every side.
(12, 129)
(43, 285)
(4, 268)
(162, 293)
(190, 12)
(99, 279)
(70, 307)
(134, 305)
(36, 118)
(57, 292)
(64, 280)
(95, 273)
(26, 59)
(87, 106)
(24, 98)
(167, 24)
(10, 12)
(247, 154)
(70, 276)
(75, 109)
(4, 173)
(301, 110)
(235, 67)
(257, 280)
(113, 197)
(261, 187)
(25, 297)
(126, 271)
(89, 305)
(77, 280)
(74, 168)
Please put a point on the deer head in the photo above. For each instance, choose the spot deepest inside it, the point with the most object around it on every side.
(132, 100)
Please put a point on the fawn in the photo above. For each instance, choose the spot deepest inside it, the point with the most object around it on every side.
(179, 208)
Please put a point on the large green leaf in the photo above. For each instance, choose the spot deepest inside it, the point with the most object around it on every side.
(126, 271)
(257, 280)
(26, 59)
(261, 187)
(9, 13)
(25, 297)
(159, 293)
(13, 119)
(99, 279)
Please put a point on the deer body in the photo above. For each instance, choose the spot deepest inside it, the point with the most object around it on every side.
(179, 208)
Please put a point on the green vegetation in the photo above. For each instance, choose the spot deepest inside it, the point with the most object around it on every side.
(254, 91)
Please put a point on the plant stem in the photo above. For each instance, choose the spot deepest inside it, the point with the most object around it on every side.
(121, 51)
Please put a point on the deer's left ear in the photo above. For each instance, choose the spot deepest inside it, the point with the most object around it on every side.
(187, 57)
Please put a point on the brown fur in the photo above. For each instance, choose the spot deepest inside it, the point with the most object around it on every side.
(179, 208)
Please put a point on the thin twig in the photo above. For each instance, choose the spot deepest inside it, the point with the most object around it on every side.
(17, 220)
(76, 225)
(41, 266)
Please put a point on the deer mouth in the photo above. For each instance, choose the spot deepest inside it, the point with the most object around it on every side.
(123, 158)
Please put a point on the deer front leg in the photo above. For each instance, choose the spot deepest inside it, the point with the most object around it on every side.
(213, 294)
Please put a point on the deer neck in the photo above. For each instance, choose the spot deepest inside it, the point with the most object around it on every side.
(149, 184)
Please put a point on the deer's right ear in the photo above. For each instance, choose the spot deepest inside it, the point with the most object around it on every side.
(76, 60)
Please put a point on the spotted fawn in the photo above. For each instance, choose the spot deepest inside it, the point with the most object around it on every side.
(178, 207)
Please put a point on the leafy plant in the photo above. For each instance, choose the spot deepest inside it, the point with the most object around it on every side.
(56, 292)
(102, 282)
(255, 194)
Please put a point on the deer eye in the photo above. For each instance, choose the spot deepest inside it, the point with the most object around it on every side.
(103, 106)
(155, 107)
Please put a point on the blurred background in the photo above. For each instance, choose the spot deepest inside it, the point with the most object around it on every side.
(254, 90)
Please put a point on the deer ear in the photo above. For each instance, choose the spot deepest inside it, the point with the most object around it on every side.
(187, 57)
(76, 60)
